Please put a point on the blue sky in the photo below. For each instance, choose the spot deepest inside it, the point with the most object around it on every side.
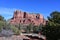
(44, 7)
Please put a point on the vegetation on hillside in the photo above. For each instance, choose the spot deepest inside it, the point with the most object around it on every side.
(7, 26)
(51, 30)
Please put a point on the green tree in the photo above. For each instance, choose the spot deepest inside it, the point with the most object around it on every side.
(15, 29)
(40, 27)
(2, 18)
(37, 28)
(52, 28)
(29, 28)
(2, 22)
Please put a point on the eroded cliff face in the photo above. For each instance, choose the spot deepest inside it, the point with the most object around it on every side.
(26, 18)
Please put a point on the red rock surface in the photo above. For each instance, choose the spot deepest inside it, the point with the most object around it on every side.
(14, 37)
(19, 37)
(27, 18)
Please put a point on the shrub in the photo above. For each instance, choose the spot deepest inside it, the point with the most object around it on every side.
(15, 30)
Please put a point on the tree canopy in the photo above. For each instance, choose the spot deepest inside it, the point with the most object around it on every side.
(2, 18)
(52, 29)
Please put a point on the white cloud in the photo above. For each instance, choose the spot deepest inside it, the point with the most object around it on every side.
(7, 13)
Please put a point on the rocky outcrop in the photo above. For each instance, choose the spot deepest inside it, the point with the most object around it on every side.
(27, 18)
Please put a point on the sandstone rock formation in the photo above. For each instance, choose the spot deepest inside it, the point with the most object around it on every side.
(26, 18)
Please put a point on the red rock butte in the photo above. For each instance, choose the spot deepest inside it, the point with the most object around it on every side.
(27, 18)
